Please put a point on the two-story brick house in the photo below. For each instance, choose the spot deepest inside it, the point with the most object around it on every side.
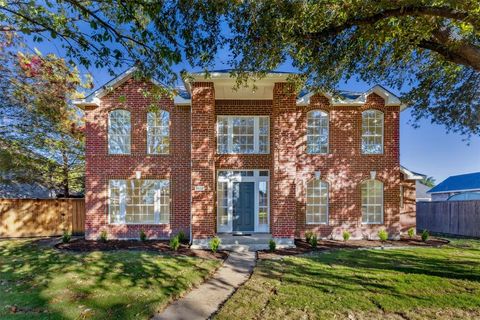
(253, 160)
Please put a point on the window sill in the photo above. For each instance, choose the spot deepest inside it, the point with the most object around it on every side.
(316, 223)
(373, 223)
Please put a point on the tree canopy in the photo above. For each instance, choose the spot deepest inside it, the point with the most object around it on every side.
(429, 46)
(41, 132)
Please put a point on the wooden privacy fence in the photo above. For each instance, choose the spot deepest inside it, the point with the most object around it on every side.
(453, 217)
(41, 217)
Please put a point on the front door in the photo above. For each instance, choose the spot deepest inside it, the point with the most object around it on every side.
(243, 206)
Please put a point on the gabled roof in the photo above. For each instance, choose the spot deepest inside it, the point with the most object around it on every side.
(225, 82)
(411, 175)
(93, 99)
(463, 182)
(355, 98)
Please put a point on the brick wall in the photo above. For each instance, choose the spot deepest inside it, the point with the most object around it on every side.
(345, 167)
(408, 209)
(101, 167)
(203, 160)
(193, 162)
(284, 136)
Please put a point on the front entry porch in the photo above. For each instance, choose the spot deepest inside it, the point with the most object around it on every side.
(243, 201)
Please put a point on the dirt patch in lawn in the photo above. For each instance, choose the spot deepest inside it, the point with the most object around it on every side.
(161, 246)
(323, 245)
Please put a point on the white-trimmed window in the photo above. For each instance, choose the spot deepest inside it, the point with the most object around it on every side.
(317, 132)
(372, 202)
(139, 201)
(317, 202)
(243, 134)
(372, 132)
(158, 132)
(119, 129)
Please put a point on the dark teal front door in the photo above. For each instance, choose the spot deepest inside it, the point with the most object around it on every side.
(243, 206)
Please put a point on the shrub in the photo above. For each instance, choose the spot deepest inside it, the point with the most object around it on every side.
(383, 235)
(272, 245)
(214, 244)
(425, 235)
(174, 243)
(308, 236)
(181, 236)
(103, 236)
(411, 233)
(346, 235)
(143, 235)
(67, 236)
(313, 241)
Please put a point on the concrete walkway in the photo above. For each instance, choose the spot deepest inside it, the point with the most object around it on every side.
(202, 302)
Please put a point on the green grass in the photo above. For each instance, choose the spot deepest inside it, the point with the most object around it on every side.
(44, 283)
(420, 283)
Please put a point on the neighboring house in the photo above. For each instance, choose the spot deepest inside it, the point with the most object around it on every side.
(421, 192)
(463, 187)
(216, 160)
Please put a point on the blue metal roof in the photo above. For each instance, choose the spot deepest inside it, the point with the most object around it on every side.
(470, 181)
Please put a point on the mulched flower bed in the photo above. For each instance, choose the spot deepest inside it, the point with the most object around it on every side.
(323, 245)
(82, 245)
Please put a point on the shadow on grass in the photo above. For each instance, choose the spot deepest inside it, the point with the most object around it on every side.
(52, 284)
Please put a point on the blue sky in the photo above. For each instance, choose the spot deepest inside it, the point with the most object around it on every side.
(427, 149)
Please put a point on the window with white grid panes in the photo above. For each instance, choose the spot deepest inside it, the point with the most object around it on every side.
(317, 132)
(372, 132)
(372, 202)
(243, 134)
(139, 201)
(317, 202)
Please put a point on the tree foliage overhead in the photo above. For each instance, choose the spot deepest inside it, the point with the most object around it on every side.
(430, 46)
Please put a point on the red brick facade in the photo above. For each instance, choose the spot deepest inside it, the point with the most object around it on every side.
(193, 162)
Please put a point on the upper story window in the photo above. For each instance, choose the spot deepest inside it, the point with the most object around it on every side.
(317, 202)
(317, 132)
(372, 202)
(372, 132)
(243, 134)
(119, 128)
(139, 201)
(158, 132)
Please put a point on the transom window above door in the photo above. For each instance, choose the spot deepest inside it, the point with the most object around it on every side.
(243, 134)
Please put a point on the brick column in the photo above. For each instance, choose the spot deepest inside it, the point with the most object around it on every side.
(203, 162)
(284, 136)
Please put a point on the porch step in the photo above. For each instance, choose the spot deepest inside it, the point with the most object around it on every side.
(253, 239)
(243, 247)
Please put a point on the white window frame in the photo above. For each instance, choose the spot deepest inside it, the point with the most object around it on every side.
(368, 135)
(322, 114)
(110, 135)
(235, 176)
(366, 206)
(230, 135)
(122, 184)
(151, 136)
(307, 205)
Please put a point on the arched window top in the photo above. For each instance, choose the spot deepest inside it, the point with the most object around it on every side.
(158, 132)
(119, 128)
(370, 112)
(317, 132)
(317, 114)
(372, 131)
(372, 201)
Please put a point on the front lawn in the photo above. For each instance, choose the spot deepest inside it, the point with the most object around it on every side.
(44, 283)
(417, 283)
